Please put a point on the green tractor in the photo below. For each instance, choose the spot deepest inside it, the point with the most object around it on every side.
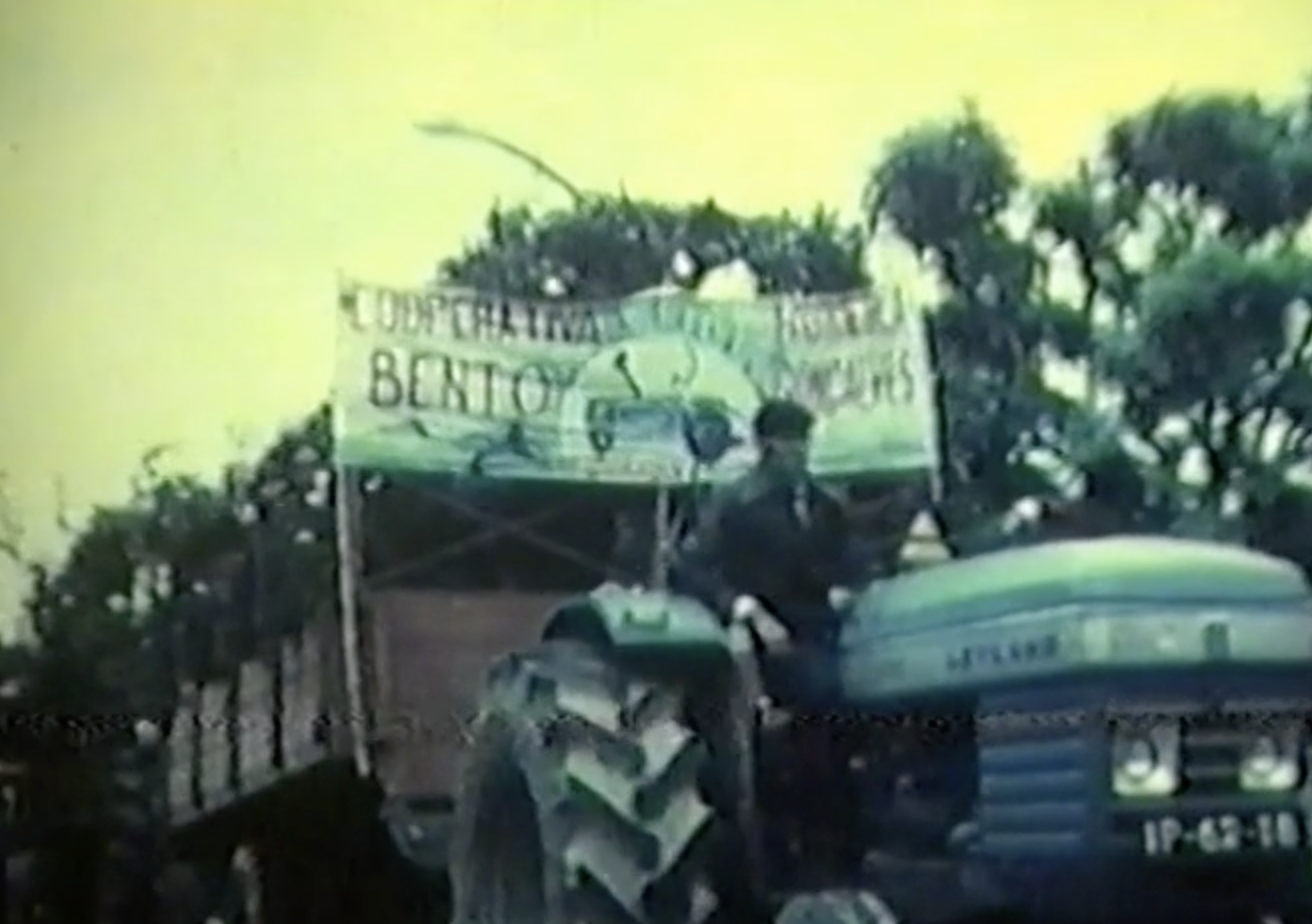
(1108, 730)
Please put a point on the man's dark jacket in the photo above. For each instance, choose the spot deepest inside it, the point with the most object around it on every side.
(749, 540)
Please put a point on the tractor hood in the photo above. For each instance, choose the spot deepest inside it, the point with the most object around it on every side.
(1113, 569)
(1060, 606)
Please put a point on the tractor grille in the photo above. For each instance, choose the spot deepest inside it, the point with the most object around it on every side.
(1211, 748)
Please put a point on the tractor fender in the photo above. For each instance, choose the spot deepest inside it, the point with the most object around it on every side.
(643, 623)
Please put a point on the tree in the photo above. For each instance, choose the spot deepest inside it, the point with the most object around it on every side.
(951, 189)
(611, 246)
(105, 614)
(1184, 300)
(1185, 237)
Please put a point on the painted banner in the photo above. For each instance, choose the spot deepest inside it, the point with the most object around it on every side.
(657, 388)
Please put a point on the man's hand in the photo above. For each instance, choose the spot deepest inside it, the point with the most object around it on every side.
(772, 633)
(841, 599)
(745, 608)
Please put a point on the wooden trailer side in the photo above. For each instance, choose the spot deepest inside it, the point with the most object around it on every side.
(427, 654)
(423, 656)
(272, 718)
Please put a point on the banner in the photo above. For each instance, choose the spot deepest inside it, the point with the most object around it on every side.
(657, 388)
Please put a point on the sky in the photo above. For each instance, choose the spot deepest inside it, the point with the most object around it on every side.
(181, 182)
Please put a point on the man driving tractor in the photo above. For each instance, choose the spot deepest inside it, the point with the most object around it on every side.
(773, 549)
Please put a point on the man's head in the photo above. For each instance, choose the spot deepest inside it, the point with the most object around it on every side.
(783, 433)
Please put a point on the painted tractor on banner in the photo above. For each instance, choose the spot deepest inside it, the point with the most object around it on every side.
(701, 428)
(1106, 730)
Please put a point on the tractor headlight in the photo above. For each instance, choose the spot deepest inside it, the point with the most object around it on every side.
(1146, 760)
(1270, 761)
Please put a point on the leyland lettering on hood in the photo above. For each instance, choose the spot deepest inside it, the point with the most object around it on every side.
(1034, 649)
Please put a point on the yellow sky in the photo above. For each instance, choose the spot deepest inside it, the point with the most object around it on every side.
(180, 180)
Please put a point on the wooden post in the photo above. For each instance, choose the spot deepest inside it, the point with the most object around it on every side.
(662, 546)
(938, 438)
(349, 565)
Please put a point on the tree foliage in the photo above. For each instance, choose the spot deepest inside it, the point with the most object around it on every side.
(1185, 306)
(1192, 252)
(611, 246)
(948, 188)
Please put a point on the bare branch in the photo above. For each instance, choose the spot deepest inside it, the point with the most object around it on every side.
(13, 552)
(63, 517)
(1271, 391)
(1204, 425)
(151, 458)
(1293, 448)
(11, 528)
(147, 476)
(1301, 351)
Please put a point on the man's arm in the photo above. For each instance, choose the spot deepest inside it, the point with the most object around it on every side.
(699, 568)
(847, 562)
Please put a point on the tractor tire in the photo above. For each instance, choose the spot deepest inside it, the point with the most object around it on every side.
(580, 799)
(838, 907)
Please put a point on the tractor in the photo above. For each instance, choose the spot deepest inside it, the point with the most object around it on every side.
(1093, 731)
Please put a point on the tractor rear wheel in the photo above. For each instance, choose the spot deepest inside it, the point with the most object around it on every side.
(580, 799)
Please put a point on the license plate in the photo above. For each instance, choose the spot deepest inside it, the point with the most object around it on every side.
(1222, 834)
